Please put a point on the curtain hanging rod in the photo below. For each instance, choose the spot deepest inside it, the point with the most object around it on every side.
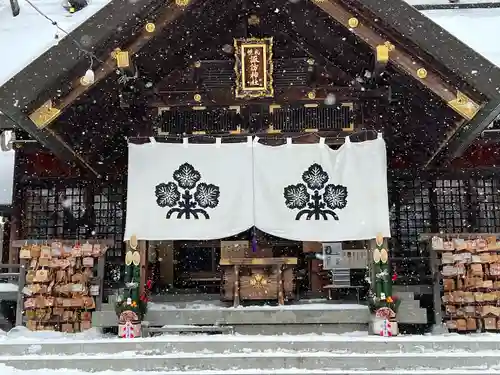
(338, 139)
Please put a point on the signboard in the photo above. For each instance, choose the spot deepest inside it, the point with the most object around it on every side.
(253, 67)
(332, 255)
(335, 257)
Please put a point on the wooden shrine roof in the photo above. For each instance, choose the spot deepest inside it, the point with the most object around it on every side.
(454, 64)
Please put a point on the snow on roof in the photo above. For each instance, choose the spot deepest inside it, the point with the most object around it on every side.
(478, 28)
(26, 37)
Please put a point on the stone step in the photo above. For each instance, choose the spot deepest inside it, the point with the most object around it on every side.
(243, 344)
(329, 372)
(262, 360)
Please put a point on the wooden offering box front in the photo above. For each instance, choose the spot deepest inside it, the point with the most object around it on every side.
(257, 279)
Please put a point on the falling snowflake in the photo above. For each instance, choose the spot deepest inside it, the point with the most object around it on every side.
(296, 196)
(315, 177)
(186, 176)
(167, 194)
(335, 196)
(207, 195)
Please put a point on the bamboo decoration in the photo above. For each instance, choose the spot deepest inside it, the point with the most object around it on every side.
(132, 306)
(383, 297)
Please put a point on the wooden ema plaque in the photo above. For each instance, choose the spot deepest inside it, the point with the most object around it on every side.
(253, 68)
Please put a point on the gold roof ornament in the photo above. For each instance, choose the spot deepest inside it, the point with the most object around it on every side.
(182, 3)
(382, 53)
(421, 73)
(390, 46)
(150, 27)
(122, 59)
(353, 22)
(464, 106)
(253, 20)
(44, 115)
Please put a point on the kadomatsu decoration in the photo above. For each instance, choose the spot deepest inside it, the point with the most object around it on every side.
(382, 302)
(130, 306)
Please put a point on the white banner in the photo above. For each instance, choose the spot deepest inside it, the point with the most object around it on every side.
(189, 192)
(313, 193)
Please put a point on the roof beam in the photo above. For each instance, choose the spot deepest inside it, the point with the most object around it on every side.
(460, 140)
(414, 67)
(51, 141)
(170, 13)
(283, 96)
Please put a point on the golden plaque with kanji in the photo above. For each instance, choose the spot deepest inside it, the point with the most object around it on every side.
(253, 67)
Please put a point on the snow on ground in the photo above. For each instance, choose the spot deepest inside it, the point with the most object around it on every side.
(26, 37)
(21, 335)
(10, 371)
(203, 305)
(252, 355)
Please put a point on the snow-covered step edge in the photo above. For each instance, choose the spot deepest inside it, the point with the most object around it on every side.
(234, 344)
(271, 361)
(316, 372)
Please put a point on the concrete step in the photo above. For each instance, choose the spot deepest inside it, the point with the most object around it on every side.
(241, 344)
(321, 372)
(262, 360)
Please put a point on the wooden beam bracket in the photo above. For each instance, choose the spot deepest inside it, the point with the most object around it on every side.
(386, 50)
(119, 58)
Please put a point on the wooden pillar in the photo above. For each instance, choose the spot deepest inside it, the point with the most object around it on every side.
(236, 292)
(370, 245)
(15, 219)
(281, 297)
(438, 327)
(315, 281)
(166, 259)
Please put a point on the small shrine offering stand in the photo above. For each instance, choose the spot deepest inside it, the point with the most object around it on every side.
(469, 266)
(61, 283)
(255, 275)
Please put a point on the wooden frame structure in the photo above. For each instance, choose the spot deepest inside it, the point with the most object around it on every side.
(385, 76)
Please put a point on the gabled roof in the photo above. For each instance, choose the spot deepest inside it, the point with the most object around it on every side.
(49, 64)
(451, 53)
(403, 20)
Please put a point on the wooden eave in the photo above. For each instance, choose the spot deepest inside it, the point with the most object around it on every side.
(35, 88)
(19, 94)
(29, 89)
(457, 57)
